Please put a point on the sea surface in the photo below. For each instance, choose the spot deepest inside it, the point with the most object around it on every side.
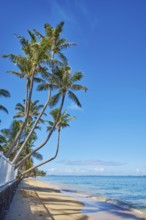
(128, 190)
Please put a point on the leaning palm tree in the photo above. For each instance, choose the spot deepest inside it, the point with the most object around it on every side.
(63, 122)
(65, 82)
(38, 53)
(33, 113)
(28, 67)
(28, 148)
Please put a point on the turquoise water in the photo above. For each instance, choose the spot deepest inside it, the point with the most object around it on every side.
(130, 190)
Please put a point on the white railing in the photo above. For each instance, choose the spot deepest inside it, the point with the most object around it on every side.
(7, 171)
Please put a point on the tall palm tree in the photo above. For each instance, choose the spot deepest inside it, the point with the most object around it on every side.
(29, 66)
(52, 44)
(63, 122)
(5, 94)
(66, 84)
(38, 53)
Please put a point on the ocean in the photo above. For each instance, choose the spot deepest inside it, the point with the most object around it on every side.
(128, 190)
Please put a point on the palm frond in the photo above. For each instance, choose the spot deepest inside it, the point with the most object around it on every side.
(63, 58)
(77, 76)
(50, 125)
(38, 80)
(78, 87)
(4, 93)
(2, 139)
(21, 75)
(54, 114)
(18, 115)
(38, 156)
(32, 36)
(74, 98)
(43, 71)
(3, 109)
(42, 87)
(67, 44)
(59, 28)
(20, 107)
(48, 29)
(54, 99)
(22, 40)
(38, 33)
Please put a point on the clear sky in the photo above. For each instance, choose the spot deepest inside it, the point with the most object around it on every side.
(109, 135)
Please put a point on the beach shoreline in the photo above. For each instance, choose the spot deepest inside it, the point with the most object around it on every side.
(35, 199)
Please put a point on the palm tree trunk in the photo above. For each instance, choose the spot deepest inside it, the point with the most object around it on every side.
(26, 117)
(16, 147)
(31, 131)
(46, 161)
(47, 139)
(29, 97)
(26, 98)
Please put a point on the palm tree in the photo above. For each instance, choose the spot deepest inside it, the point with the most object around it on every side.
(38, 54)
(54, 41)
(65, 82)
(2, 142)
(9, 134)
(33, 112)
(63, 122)
(52, 44)
(29, 66)
(6, 94)
(28, 148)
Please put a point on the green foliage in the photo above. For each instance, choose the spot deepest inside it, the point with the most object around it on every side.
(4, 93)
(63, 120)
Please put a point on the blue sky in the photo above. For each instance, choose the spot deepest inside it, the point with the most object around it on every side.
(109, 135)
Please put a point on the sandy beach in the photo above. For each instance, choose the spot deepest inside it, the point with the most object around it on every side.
(36, 200)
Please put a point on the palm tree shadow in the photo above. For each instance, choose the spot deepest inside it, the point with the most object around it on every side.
(62, 206)
(111, 209)
(53, 205)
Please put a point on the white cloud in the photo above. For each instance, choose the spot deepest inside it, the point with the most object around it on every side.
(99, 169)
(90, 163)
(75, 171)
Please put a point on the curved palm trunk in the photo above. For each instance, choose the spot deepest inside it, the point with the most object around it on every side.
(16, 147)
(37, 120)
(26, 98)
(46, 161)
(47, 139)
(31, 131)
(28, 101)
